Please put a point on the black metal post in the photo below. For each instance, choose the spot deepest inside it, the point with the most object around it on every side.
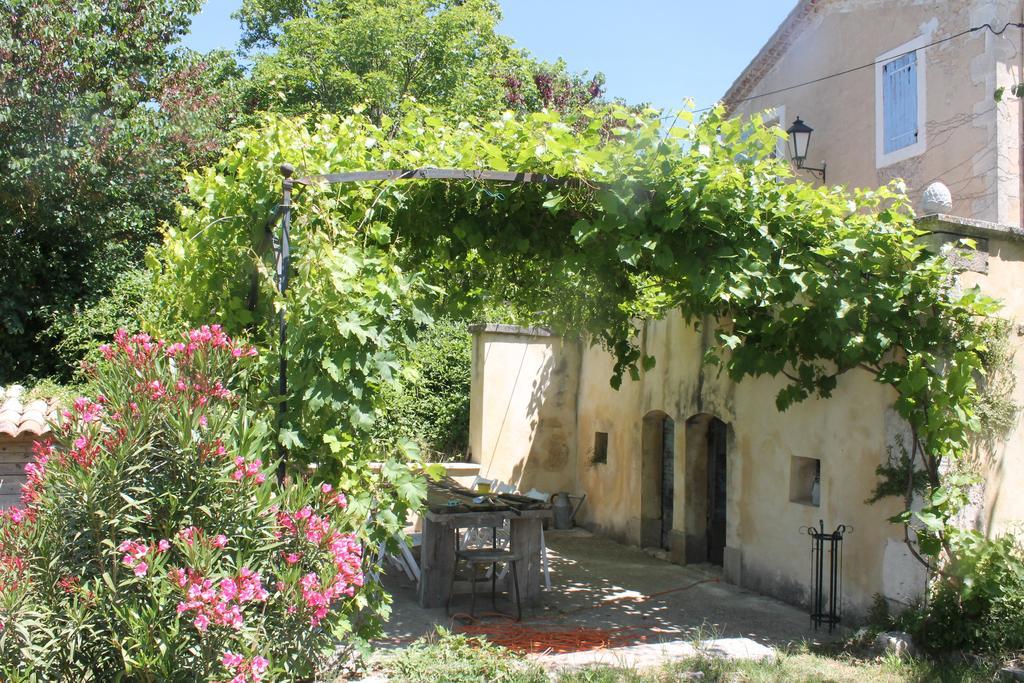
(832, 543)
(283, 259)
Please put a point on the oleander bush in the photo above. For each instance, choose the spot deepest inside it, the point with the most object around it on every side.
(154, 544)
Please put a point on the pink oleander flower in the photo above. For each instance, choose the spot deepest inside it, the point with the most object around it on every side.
(15, 514)
(231, 660)
(86, 410)
(220, 541)
(156, 390)
(163, 546)
(228, 589)
(179, 577)
(248, 470)
(134, 551)
(220, 605)
(259, 665)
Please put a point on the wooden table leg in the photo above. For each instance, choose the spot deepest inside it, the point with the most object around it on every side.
(525, 540)
(437, 562)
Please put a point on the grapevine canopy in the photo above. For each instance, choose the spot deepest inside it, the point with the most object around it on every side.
(660, 214)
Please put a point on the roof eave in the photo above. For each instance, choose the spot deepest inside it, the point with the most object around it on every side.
(770, 53)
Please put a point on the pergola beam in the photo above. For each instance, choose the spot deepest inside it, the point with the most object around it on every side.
(282, 247)
(430, 174)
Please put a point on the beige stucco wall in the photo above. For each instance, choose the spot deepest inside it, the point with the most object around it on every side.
(523, 410)
(972, 144)
(766, 549)
(537, 402)
(1003, 462)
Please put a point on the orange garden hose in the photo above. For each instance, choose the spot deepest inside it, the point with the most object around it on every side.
(523, 638)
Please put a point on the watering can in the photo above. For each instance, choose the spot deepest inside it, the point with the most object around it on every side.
(565, 513)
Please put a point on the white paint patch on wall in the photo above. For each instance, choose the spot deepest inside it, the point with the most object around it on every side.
(904, 578)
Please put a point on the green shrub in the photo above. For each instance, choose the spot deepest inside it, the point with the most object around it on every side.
(152, 545)
(980, 609)
(458, 659)
(77, 332)
(432, 404)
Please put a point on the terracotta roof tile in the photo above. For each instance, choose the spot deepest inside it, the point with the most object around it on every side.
(18, 419)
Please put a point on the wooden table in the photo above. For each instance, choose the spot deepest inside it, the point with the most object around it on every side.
(437, 552)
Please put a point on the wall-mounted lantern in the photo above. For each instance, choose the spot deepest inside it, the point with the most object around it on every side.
(799, 141)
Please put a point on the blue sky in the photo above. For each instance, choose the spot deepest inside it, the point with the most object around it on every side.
(657, 51)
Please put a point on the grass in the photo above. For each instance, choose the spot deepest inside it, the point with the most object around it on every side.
(791, 668)
(457, 659)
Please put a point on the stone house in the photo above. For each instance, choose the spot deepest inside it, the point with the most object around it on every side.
(708, 470)
(21, 425)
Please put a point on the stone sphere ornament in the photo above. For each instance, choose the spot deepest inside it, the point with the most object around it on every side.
(936, 199)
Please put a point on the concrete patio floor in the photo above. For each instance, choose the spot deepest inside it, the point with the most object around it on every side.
(598, 583)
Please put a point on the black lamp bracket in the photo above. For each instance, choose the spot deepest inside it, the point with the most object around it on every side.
(817, 171)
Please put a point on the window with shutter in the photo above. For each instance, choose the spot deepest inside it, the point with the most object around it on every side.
(899, 102)
(900, 99)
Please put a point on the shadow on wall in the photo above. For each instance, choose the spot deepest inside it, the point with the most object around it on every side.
(526, 424)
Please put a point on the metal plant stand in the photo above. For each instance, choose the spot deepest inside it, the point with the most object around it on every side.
(826, 574)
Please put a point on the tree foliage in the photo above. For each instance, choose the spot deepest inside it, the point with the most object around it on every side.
(799, 281)
(95, 124)
(340, 56)
(99, 116)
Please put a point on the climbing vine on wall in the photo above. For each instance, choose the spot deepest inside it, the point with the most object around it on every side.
(657, 214)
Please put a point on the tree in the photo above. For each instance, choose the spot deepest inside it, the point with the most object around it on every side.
(432, 403)
(340, 56)
(98, 117)
(95, 127)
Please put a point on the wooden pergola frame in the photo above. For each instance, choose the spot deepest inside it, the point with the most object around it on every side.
(282, 247)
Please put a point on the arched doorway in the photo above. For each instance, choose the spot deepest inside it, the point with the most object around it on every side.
(706, 489)
(657, 471)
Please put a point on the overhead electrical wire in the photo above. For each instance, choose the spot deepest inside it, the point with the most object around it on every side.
(871, 64)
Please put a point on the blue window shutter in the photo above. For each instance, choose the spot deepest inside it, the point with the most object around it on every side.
(899, 102)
